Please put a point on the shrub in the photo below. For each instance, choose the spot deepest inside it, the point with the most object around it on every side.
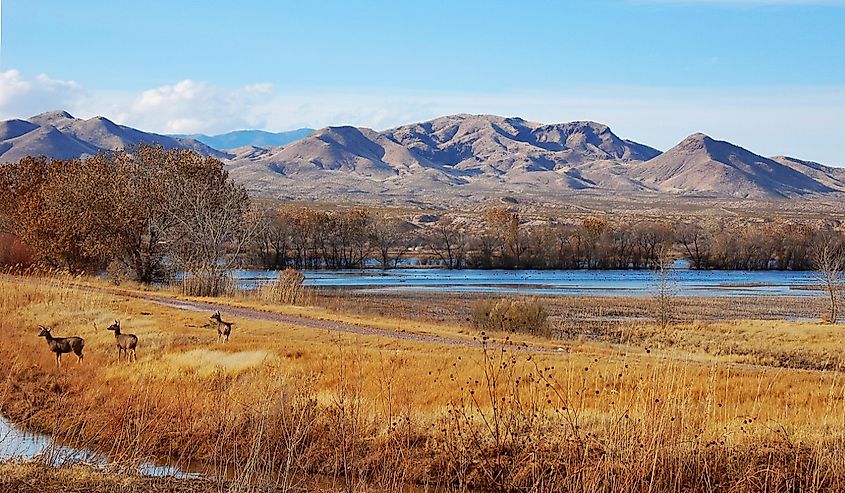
(13, 252)
(527, 316)
(208, 282)
(287, 289)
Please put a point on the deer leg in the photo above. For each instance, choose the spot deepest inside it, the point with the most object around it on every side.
(58, 360)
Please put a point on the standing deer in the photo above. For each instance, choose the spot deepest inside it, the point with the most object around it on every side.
(223, 328)
(125, 342)
(62, 345)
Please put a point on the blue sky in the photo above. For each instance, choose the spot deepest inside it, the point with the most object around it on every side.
(767, 74)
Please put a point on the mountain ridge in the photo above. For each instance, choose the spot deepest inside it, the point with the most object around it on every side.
(247, 137)
(460, 155)
(486, 153)
(60, 135)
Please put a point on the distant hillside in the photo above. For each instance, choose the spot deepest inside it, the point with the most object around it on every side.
(702, 164)
(452, 158)
(58, 134)
(475, 155)
(464, 154)
(257, 138)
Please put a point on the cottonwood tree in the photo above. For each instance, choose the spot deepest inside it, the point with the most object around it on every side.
(653, 241)
(504, 225)
(143, 178)
(829, 262)
(213, 220)
(388, 238)
(58, 208)
(136, 207)
(696, 243)
(448, 241)
(592, 232)
(273, 238)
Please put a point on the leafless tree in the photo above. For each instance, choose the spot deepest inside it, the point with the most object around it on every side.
(213, 222)
(695, 242)
(665, 289)
(829, 263)
(448, 241)
(388, 237)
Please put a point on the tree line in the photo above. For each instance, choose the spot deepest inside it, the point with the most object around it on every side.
(151, 214)
(311, 238)
(144, 213)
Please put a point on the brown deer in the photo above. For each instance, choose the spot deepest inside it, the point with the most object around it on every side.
(62, 345)
(223, 328)
(126, 343)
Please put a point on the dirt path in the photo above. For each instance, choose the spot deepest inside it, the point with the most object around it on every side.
(295, 320)
(335, 326)
(348, 328)
(318, 324)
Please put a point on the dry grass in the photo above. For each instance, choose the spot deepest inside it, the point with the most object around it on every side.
(280, 402)
(38, 478)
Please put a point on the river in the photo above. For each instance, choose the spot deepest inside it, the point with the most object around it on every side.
(17, 444)
(684, 282)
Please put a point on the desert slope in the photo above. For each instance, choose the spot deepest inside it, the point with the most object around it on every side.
(57, 134)
(457, 157)
(701, 164)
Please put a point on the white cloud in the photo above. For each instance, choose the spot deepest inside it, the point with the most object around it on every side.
(22, 97)
(805, 122)
(192, 107)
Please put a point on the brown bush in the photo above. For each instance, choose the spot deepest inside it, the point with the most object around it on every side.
(13, 252)
(287, 289)
(512, 315)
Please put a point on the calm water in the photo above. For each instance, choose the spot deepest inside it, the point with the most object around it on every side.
(562, 282)
(16, 444)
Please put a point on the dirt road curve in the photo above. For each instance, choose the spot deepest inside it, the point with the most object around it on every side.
(342, 327)
(298, 321)
(311, 323)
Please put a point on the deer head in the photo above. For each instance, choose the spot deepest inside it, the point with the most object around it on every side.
(216, 316)
(45, 331)
(115, 326)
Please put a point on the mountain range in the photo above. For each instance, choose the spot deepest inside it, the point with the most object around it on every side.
(57, 134)
(241, 138)
(452, 156)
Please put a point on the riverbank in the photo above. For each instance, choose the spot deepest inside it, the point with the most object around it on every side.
(34, 477)
(288, 399)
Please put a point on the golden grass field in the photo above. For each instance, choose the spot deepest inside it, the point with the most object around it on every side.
(737, 405)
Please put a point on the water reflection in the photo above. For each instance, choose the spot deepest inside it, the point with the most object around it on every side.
(17, 444)
(547, 282)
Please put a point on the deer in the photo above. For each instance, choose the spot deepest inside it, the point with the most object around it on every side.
(126, 343)
(223, 328)
(62, 345)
